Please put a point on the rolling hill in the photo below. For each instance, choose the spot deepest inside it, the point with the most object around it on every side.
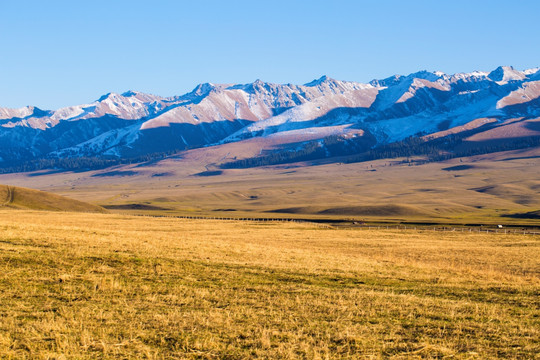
(13, 197)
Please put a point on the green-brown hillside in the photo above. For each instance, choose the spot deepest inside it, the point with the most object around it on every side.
(24, 198)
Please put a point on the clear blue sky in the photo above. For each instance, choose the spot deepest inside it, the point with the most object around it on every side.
(60, 53)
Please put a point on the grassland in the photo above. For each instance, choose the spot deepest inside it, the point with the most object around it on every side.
(13, 197)
(500, 188)
(91, 286)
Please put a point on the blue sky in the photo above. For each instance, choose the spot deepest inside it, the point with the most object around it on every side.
(60, 53)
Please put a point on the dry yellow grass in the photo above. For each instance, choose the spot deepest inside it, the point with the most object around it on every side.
(14, 197)
(109, 286)
(481, 189)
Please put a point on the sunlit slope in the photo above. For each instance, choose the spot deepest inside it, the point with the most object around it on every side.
(24, 198)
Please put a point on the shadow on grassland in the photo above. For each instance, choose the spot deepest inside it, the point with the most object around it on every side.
(373, 210)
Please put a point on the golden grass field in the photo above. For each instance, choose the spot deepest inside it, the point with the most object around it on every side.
(108, 286)
(13, 197)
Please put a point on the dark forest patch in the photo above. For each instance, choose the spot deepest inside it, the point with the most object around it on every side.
(459, 168)
(134, 207)
(209, 173)
(116, 173)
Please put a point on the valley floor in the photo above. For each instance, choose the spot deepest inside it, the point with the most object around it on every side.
(499, 188)
(116, 286)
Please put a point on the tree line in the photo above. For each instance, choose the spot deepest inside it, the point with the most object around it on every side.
(331, 146)
(78, 163)
(354, 149)
(360, 150)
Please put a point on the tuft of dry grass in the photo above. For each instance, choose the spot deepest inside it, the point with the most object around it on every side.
(109, 286)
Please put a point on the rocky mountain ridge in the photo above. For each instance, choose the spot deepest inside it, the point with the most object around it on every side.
(383, 111)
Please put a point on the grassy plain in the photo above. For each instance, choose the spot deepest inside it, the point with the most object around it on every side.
(482, 189)
(107, 286)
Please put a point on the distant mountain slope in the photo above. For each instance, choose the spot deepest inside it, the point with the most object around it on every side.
(130, 125)
(12, 197)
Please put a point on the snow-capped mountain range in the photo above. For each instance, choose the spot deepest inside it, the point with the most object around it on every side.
(388, 110)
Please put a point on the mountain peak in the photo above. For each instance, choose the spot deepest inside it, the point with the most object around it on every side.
(108, 96)
(104, 97)
(427, 75)
(323, 79)
(389, 81)
(129, 93)
(506, 73)
(39, 112)
(203, 89)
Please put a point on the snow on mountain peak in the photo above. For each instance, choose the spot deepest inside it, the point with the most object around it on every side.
(505, 74)
(323, 79)
(203, 89)
(532, 74)
(389, 81)
(398, 79)
(392, 108)
(425, 75)
(37, 112)
(24, 112)
(130, 93)
(469, 77)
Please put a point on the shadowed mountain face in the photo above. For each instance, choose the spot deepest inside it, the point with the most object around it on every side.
(384, 111)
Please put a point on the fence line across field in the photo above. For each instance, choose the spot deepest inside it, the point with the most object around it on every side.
(366, 227)
(453, 229)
